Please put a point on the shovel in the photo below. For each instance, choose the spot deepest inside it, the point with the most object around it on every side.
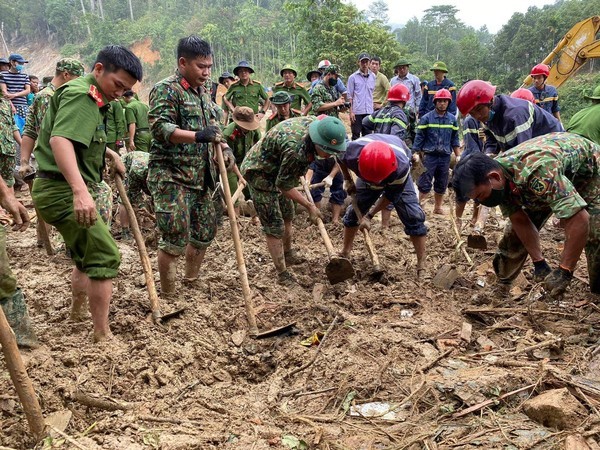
(239, 256)
(41, 228)
(377, 270)
(157, 317)
(339, 268)
(476, 239)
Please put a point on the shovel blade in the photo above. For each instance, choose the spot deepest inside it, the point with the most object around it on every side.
(477, 241)
(339, 269)
(276, 331)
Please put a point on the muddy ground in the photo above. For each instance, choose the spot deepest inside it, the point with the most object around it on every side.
(203, 383)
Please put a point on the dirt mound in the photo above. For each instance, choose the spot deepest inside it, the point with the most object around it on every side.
(398, 347)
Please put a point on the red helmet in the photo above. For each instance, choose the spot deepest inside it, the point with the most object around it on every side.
(377, 161)
(540, 69)
(524, 94)
(473, 93)
(442, 94)
(399, 93)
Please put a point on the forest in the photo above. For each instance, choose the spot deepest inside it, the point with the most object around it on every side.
(271, 33)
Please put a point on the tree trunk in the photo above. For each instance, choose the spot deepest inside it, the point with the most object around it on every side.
(87, 25)
(130, 10)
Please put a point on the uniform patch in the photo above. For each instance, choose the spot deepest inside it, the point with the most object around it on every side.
(539, 186)
(185, 84)
(95, 94)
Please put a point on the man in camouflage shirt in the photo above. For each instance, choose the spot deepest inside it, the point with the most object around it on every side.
(136, 173)
(324, 97)
(182, 169)
(272, 168)
(558, 173)
(9, 135)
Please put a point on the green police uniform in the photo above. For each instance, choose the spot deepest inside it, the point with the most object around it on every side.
(77, 112)
(136, 173)
(322, 94)
(181, 177)
(274, 164)
(8, 149)
(116, 128)
(137, 112)
(558, 173)
(240, 142)
(249, 95)
(297, 93)
(586, 123)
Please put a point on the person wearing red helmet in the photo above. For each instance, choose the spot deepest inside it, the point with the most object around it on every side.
(437, 138)
(546, 96)
(382, 164)
(524, 94)
(509, 121)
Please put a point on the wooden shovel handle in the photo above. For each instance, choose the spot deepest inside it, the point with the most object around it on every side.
(141, 245)
(237, 242)
(366, 234)
(321, 225)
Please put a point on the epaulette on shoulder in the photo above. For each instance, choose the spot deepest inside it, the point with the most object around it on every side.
(297, 111)
(273, 115)
(280, 83)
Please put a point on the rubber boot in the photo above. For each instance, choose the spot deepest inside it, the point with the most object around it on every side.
(15, 310)
(292, 258)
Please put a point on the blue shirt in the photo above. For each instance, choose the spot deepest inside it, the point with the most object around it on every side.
(515, 121)
(471, 136)
(403, 155)
(546, 98)
(360, 90)
(437, 134)
(429, 91)
(413, 84)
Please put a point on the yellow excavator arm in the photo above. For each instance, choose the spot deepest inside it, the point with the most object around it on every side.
(577, 46)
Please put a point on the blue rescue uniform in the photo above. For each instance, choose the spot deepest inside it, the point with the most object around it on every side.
(546, 98)
(429, 91)
(472, 143)
(390, 119)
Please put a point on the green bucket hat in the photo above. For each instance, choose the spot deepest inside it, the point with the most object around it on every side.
(290, 68)
(439, 65)
(595, 95)
(281, 98)
(330, 133)
(402, 62)
(71, 65)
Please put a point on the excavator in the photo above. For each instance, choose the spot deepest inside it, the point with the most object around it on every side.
(577, 46)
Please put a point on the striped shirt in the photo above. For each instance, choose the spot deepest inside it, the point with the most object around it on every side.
(16, 82)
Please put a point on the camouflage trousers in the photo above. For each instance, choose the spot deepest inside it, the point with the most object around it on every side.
(135, 187)
(272, 208)
(8, 283)
(511, 254)
(7, 168)
(102, 195)
(183, 216)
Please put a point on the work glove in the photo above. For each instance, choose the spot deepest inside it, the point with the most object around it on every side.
(541, 270)
(349, 186)
(229, 159)
(557, 281)
(314, 215)
(365, 224)
(328, 180)
(211, 133)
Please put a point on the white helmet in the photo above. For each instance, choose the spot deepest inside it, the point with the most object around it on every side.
(323, 64)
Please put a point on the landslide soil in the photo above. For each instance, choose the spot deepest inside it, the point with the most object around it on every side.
(202, 383)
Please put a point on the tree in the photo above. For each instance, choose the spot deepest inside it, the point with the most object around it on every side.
(378, 11)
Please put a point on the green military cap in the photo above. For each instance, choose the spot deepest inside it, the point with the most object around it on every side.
(595, 95)
(310, 73)
(290, 68)
(71, 65)
(330, 133)
(402, 62)
(281, 98)
(333, 68)
(439, 65)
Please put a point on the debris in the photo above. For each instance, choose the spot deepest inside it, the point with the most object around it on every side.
(238, 337)
(481, 405)
(576, 442)
(314, 339)
(486, 344)
(465, 332)
(377, 410)
(406, 313)
(445, 277)
(556, 408)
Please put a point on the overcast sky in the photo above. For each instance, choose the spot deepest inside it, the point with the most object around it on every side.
(475, 13)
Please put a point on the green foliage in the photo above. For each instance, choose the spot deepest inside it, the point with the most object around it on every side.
(573, 92)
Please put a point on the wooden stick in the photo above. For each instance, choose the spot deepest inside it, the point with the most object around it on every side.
(482, 405)
(19, 377)
(141, 245)
(367, 236)
(321, 225)
(515, 311)
(238, 192)
(239, 252)
(459, 241)
(312, 186)
(68, 438)
(173, 420)
(428, 366)
(41, 226)
(105, 404)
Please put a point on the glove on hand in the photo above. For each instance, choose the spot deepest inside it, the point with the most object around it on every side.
(557, 281)
(328, 180)
(541, 270)
(211, 133)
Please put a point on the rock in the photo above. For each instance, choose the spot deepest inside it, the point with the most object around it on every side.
(576, 442)
(556, 408)
(237, 337)
(445, 277)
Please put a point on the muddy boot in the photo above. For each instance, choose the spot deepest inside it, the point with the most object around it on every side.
(498, 294)
(15, 310)
(126, 235)
(286, 279)
(292, 258)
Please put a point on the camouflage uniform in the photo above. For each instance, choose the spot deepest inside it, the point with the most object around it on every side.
(274, 119)
(136, 173)
(37, 111)
(102, 195)
(181, 177)
(273, 165)
(8, 149)
(323, 94)
(556, 173)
